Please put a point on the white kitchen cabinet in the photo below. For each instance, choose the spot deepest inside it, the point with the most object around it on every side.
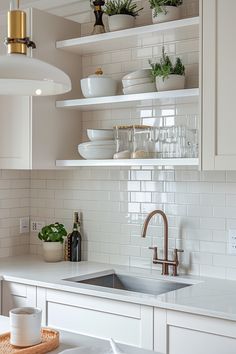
(17, 295)
(183, 333)
(33, 132)
(218, 85)
(99, 317)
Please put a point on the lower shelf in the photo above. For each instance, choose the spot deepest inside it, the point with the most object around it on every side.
(128, 162)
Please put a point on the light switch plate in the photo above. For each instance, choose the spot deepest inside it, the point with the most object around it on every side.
(232, 242)
(24, 225)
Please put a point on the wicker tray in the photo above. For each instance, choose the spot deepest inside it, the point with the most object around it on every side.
(50, 341)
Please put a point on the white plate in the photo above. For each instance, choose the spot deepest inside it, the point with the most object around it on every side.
(139, 74)
(97, 150)
(132, 82)
(150, 87)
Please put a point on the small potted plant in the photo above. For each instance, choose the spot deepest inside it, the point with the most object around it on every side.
(166, 75)
(121, 14)
(165, 10)
(53, 237)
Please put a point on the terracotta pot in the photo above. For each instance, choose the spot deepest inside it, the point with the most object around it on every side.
(52, 251)
(120, 22)
(173, 82)
(173, 13)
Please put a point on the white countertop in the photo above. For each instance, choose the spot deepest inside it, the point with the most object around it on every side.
(208, 296)
(71, 340)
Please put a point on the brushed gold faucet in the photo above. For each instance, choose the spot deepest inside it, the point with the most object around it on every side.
(165, 262)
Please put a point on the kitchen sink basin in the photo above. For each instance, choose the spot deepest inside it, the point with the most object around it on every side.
(130, 283)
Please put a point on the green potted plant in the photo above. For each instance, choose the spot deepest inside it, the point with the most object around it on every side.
(53, 237)
(168, 76)
(165, 10)
(121, 14)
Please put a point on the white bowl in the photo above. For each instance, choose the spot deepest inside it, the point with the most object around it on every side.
(142, 88)
(139, 74)
(132, 82)
(100, 134)
(98, 86)
(95, 150)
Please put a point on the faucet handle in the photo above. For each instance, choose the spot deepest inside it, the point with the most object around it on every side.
(154, 248)
(176, 251)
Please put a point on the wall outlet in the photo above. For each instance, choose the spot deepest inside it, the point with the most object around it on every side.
(36, 226)
(24, 225)
(232, 242)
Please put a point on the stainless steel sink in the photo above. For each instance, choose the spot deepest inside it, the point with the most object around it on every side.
(130, 283)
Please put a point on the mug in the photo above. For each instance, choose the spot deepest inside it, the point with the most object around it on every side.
(25, 326)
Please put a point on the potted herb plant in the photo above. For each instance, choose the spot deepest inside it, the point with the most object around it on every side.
(166, 75)
(165, 10)
(121, 14)
(53, 237)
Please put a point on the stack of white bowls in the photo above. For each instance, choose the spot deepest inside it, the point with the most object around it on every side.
(139, 81)
(101, 145)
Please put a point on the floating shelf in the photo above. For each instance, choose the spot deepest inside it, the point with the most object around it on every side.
(128, 162)
(124, 39)
(125, 101)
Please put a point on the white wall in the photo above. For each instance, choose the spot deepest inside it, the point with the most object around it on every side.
(14, 204)
(201, 208)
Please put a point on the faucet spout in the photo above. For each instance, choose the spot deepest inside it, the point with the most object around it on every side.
(165, 270)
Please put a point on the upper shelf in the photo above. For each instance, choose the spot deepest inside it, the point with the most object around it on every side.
(125, 101)
(125, 38)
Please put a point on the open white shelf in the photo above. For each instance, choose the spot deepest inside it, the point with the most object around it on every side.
(128, 162)
(124, 101)
(126, 38)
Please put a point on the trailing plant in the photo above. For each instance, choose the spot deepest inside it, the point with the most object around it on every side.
(165, 68)
(159, 6)
(121, 7)
(53, 233)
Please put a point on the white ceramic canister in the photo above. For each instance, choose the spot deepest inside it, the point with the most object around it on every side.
(25, 326)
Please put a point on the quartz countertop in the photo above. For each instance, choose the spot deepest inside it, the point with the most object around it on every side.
(70, 340)
(207, 296)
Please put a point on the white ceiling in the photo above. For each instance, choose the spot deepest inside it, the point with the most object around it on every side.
(72, 6)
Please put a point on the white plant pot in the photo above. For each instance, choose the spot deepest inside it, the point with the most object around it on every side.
(173, 82)
(52, 251)
(173, 13)
(120, 22)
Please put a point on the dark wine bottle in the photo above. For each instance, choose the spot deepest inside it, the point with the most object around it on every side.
(75, 240)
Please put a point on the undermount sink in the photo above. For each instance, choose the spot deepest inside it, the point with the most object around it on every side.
(130, 283)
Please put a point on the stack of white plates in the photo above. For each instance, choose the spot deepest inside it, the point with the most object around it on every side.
(139, 81)
(101, 146)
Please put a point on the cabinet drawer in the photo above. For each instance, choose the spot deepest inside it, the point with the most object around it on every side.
(99, 317)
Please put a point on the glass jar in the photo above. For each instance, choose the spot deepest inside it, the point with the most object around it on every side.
(134, 141)
(143, 146)
(123, 142)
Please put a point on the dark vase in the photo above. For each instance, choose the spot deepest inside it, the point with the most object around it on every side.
(98, 12)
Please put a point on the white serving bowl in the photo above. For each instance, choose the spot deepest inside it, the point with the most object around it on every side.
(98, 86)
(100, 134)
(139, 74)
(132, 82)
(95, 150)
(142, 88)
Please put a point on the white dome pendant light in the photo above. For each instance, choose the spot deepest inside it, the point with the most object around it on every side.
(23, 75)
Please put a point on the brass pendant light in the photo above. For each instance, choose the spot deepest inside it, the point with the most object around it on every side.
(21, 74)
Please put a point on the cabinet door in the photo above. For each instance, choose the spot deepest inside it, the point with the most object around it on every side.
(218, 85)
(181, 333)
(17, 295)
(103, 318)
